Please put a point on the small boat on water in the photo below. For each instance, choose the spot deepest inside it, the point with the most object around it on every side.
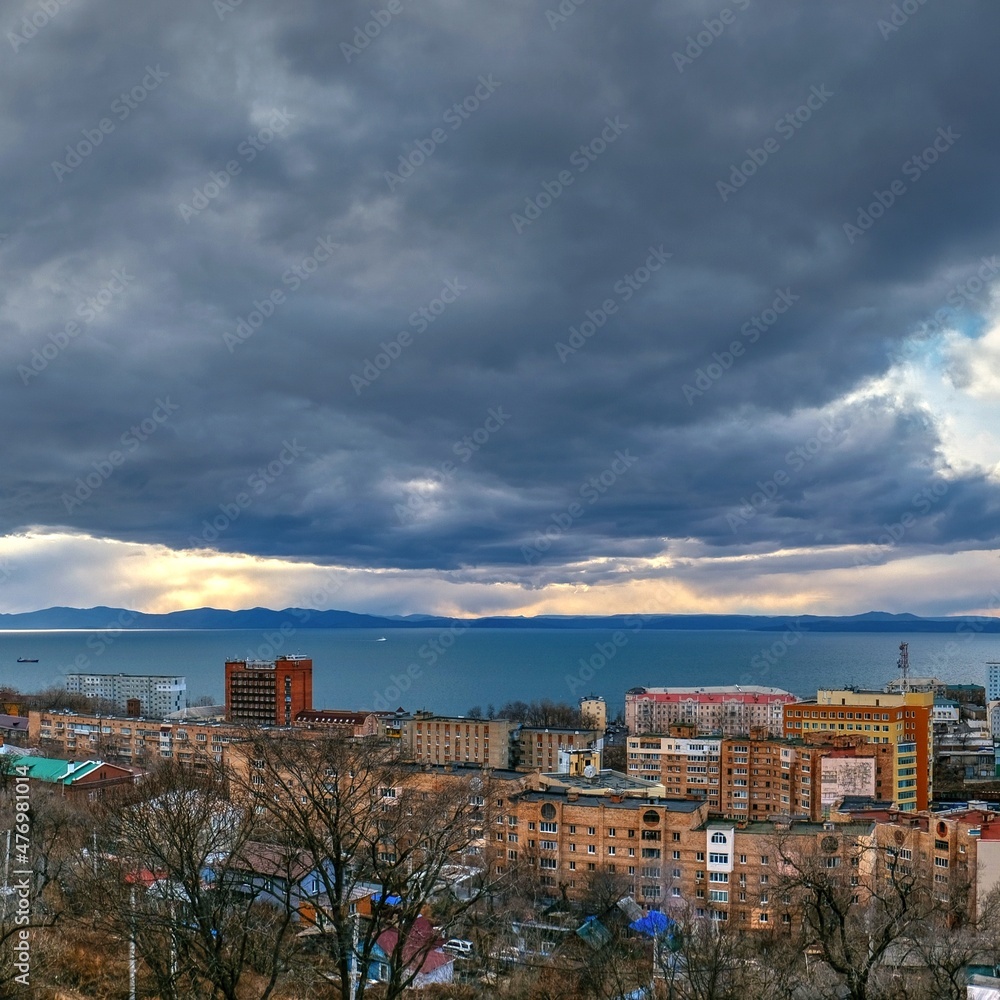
(24, 659)
(380, 639)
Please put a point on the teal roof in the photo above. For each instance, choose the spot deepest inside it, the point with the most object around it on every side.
(57, 772)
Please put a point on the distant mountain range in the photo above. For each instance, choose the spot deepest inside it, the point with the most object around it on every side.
(97, 619)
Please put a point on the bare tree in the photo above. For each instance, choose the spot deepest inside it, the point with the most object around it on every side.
(856, 904)
(387, 834)
(173, 881)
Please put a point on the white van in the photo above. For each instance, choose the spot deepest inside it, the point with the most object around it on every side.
(458, 946)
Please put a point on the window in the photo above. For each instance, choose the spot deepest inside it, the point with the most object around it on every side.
(700, 856)
(718, 877)
(611, 850)
(763, 918)
(718, 859)
(718, 895)
(591, 831)
(763, 859)
(940, 862)
(763, 880)
(547, 845)
(548, 827)
(547, 863)
(677, 855)
(743, 859)
(718, 838)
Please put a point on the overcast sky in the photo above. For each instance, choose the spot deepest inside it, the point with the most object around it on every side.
(519, 307)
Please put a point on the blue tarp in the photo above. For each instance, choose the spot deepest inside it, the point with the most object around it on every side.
(652, 923)
(389, 900)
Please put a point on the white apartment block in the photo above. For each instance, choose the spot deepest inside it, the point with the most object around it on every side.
(157, 695)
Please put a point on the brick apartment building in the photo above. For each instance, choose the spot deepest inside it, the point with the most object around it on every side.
(757, 776)
(439, 739)
(268, 692)
(348, 723)
(730, 711)
(539, 747)
(898, 726)
(670, 854)
(128, 740)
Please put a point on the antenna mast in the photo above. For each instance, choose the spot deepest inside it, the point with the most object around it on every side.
(904, 665)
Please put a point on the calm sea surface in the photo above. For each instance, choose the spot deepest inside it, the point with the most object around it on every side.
(449, 672)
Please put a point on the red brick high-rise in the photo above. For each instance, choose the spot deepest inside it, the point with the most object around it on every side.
(268, 692)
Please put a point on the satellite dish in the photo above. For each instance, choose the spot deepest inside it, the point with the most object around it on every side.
(590, 771)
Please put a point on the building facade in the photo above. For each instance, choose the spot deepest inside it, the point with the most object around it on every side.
(731, 711)
(348, 723)
(268, 692)
(439, 739)
(538, 747)
(149, 695)
(688, 765)
(899, 726)
(126, 740)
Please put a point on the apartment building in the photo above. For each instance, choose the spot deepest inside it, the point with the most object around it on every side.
(539, 747)
(688, 765)
(901, 722)
(340, 720)
(731, 711)
(439, 739)
(668, 853)
(153, 696)
(130, 741)
(268, 692)
(594, 710)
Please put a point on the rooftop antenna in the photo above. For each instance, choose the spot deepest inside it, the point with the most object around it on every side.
(904, 665)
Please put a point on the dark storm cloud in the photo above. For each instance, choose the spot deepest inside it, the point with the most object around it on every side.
(340, 259)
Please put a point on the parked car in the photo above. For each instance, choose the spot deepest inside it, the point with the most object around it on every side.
(458, 946)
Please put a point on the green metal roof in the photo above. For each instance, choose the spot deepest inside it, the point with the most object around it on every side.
(58, 772)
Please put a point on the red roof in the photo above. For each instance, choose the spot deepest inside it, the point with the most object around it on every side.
(422, 935)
